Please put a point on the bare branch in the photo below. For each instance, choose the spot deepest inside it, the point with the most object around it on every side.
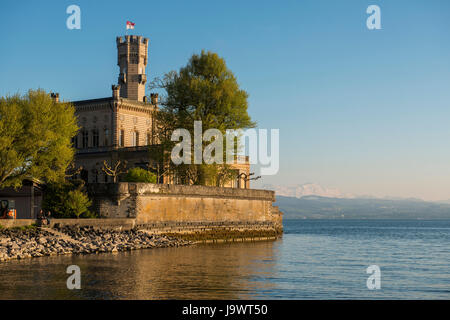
(116, 170)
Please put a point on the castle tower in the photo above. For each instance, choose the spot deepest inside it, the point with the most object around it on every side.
(132, 53)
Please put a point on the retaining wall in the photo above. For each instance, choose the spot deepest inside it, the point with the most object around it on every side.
(195, 213)
(13, 223)
(192, 212)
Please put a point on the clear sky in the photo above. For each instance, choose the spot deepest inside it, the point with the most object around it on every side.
(364, 111)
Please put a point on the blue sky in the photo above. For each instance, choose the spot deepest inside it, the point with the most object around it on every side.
(364, 111)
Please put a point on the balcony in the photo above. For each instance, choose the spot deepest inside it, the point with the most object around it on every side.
(92, 150)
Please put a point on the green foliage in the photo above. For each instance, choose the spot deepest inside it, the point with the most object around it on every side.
(67, 200)
(35, 134)
(204, 90)
(77, 202)
(24, 228)
(140, 175)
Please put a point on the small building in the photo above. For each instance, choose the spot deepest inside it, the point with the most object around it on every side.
(27, 200)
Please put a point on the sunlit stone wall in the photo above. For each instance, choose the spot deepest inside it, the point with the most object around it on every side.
(190, 209)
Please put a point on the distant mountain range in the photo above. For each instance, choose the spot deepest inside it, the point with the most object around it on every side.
(312, 201)
(317, 207)
(314, 189)
(307, 189)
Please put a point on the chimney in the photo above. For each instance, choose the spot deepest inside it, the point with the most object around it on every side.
(55, 96)
(116, 91)
(154, 98)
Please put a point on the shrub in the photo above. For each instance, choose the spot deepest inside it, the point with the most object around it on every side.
(67, 200)
(25, 228)
(77, 202)
(140, 175)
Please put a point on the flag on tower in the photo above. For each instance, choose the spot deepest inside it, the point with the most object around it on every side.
(130, 25)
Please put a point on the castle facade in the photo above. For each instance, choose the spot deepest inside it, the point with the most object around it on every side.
(122, 127)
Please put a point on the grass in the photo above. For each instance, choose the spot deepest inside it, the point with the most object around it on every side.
(23, 228)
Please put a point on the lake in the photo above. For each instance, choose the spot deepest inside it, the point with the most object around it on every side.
(315, 259)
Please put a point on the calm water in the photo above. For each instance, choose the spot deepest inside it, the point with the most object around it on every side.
(322, 259)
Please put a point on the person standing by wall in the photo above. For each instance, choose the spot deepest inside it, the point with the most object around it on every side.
(47, 216)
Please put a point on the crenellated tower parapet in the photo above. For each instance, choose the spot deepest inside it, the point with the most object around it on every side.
(132, 56)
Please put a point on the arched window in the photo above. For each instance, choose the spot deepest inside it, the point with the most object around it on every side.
(85, 138)
(106, 137)
(135, 138)
(122, 138)
(95, 138)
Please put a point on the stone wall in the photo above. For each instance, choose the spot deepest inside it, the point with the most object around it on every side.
(193, 212)
(16, 223)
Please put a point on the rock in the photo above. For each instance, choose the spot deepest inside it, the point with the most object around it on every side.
(18, 244)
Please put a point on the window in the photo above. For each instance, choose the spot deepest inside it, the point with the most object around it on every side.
(149, 139)
(135, 138)
(122, 138)
(95, 138)
(85, 139)
(106, 137)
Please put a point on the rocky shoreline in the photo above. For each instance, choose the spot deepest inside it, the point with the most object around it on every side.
(21, 243)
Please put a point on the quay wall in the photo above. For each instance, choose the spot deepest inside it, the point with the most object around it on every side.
(192, 212)
(195, 213)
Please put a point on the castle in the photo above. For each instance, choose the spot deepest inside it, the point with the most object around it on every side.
(122, 127)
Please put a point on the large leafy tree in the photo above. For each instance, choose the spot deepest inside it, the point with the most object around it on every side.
(204, 90)
(35, 138)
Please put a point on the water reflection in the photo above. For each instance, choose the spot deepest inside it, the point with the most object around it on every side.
(314, 260)
(223, 271)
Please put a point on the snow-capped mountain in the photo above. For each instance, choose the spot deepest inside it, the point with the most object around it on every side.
(307, 189)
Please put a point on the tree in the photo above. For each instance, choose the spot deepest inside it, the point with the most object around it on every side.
(35, 138)
(115, 170)
(67, 200)
(72, 170)
(140, 175)
(204, 90)
(158, 162)
(77, 202)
